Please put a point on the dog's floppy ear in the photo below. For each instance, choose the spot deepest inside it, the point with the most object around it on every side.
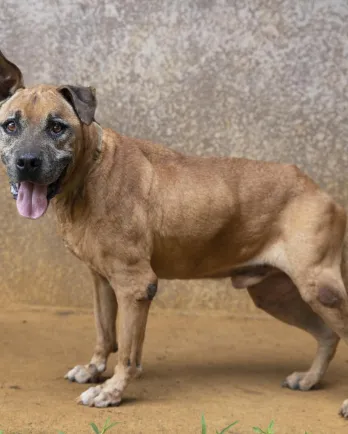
(11, 78)
(82, 99)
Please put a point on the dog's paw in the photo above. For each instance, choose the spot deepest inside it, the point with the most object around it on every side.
(301, 381)
(85, 373)
(100, 396)
(344, 409)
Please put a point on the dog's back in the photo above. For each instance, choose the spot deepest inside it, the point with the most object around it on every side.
(206, 213)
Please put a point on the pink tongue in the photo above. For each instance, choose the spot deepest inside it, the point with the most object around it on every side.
(32, 200)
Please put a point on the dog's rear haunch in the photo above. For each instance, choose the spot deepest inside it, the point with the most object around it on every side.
(134, 212)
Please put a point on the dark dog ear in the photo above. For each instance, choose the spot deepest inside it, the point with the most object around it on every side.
(11, 78)
(82, 99)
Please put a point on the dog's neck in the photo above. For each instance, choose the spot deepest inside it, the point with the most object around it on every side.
(88, 150)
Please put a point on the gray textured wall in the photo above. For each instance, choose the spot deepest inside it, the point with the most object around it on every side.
(264, 79)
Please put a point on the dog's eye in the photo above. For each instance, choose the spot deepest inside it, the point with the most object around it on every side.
(56, 128)
(10, 127)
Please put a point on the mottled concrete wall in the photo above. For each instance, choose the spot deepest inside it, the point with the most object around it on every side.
(264, 79)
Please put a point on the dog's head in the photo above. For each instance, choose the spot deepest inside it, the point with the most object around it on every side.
(39, 129)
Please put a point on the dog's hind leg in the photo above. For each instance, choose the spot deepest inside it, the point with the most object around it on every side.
(278, 296)
(322, 287)
(105, 311)
(313, 250)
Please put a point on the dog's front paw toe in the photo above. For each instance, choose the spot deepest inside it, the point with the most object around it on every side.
(344, 409)
(85, 373)
(300, 381)
(107, 399)
(97, 397)
(79, 374)
(87, 397)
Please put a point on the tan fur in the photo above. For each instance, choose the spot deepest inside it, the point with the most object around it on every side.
(146, 212)
(135, 212)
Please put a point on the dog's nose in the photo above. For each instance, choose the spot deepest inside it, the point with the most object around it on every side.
(28, 163)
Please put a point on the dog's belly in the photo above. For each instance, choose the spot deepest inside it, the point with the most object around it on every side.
(241, 276)
(245, 263)
(215, 264)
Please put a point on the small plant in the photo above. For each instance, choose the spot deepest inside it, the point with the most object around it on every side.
(204, 427)
(269, 429)
(106, 427)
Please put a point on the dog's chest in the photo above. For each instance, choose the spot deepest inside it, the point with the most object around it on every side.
(83, 243)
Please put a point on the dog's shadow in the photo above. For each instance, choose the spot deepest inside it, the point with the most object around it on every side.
(248, 378)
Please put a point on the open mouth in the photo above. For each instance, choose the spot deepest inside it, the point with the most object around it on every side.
(33, 199)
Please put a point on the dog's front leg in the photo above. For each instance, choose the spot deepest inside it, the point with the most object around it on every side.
(105, 311)
(133, 306)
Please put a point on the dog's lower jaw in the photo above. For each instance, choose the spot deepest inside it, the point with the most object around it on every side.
(53, 188)
(14, 189)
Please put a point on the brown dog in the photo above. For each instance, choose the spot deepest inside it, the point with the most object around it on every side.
(134, 212)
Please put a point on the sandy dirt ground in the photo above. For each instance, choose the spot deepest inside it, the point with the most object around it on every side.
(225, 367)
